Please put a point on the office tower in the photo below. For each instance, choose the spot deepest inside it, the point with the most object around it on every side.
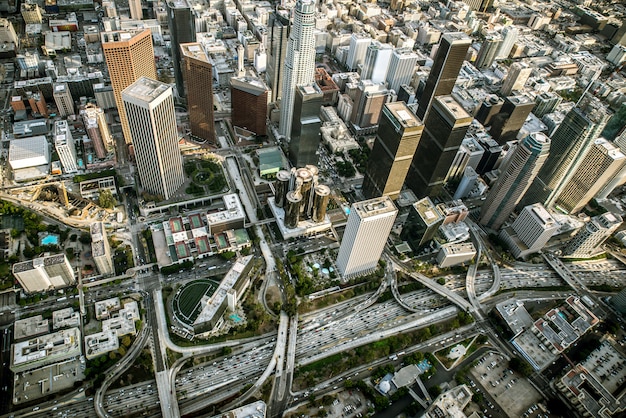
(619, 178)
(530, 231)
(305, 130)
(599, 166)
(479, 5)
(422, 223)
(444, 129)
(249, 97)
(129, 56)
(321, 198)
(97, 129)
(357, 51)
(491, 155)
(65, 146)
(100, 249)
(63, 99)
(586, 241)
(7, 33)
(31, 13)
(445, 69)
(470, 153)
(516, 78)
(616, 124)
(406, 94)
(105, 97)
(617, 55)
(44, 273)
(364, 239)
(376, 64)
(299, 68)
(136, 13)
(509, 37)
(545, 103)
(488, 109)
(198, 78)
(277, 39)
(399, 133)
(149, 105)
(570, 143)
(506, 124)
(515, 178)
(368, 104)
(401, 68)
(182, 26)
(467, 183)
(488, 51)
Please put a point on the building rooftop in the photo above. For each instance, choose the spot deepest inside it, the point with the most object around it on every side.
(373, 207)
(428, 211)
(194, 50)
(403, 114)
(146, 89)
(30, 327)
(453, 108)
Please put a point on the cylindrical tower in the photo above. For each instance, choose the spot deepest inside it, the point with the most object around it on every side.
(320, 202)
(313, 169)
(292, 209)
(281, 185)
(305, 190)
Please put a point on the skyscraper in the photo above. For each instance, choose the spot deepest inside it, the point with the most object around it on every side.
(530, 231)
(63, 99)
(619, 178)
(305, 130)
(136, 13)
(129, 56)
(369, 100)
(569, 144)
(97, 129)
(516, 78)
(515, 178)
(506, 124)
(422, 224)
(586, 241)
(444, 129)
(599, 166)
(509, 37)
(249, 97)
(198, 77)
(488, 109)
(277, 39)
(545, 103)
(65, 146)
(364, 239)
(488, 50)
(376, 64)
(299, 66)
(182, 25)
(149, 105)
(445, 69)
(401, 68)
(44, 273)
(100, 249)
(399, 134)
(358, 48)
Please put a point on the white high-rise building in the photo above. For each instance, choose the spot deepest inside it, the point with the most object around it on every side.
(300, 62)
(376, 64)
(358, 49)
(588, 239)
(367, 230)
(401, 68)
(516, 78)
(149, 106)
(509, 37)
(135, 9)
(44, 273)
(620, 177)
(532, 229)
(100, 249)
(65, 146)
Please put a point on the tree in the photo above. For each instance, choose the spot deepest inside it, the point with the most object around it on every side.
(106, 199)
(85, 238)
(520, 366)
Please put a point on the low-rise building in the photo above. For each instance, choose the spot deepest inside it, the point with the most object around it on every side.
(46, 349)
(65, 318)
(455, 253)
(101, 343)
(30, 327)
(106, 308)
(44, 273)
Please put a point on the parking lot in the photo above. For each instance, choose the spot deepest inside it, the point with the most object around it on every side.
(607, 365)
(512, 393)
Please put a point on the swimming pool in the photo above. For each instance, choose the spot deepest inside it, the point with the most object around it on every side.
(50, 240)
(235, 318)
